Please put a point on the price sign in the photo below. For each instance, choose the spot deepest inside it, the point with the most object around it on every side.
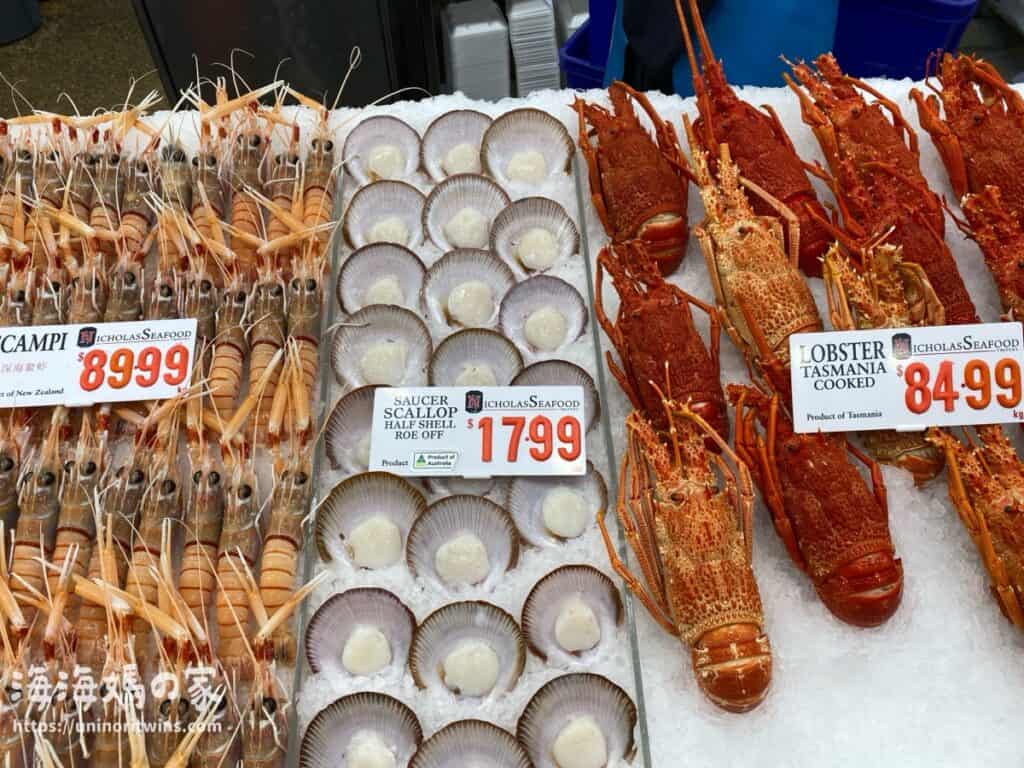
(479, 431)
(77, 365)
(907, 378)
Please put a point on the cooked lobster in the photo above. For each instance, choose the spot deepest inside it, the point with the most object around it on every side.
(758, 143)
(876, 176)
(657, 342)
(638, 187)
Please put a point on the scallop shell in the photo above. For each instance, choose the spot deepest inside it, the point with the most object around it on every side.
(542, 292)
(374, 262)
(548, 597)
(329, 734)
(381, 324)
(332, 625)
(450, 130)
(471, 743)
(347, 426)
(443, 631)
(455, 195)
(381, 201)
(565, 698)
(494, 488)
(359, 498)
(457, 268)
(445, 519)
(526, 495)
(474, 351)
(378, 132)
(526, 130)
(529, 214)
(556, 373)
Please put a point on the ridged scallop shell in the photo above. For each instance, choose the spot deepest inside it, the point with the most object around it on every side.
(372, 263)
(556, 373)
(532, 213)
(458, 268)
(469, 355)
(359, 498)
(352, 349)
(527, 494)
(348, 425)
(526, 130)
(449, 131)
(471, 743)
(542, 293)
(560, 588)
(447, 628)
(334, 621)
(375, 133)
(380, 202)
(464, 191)
(450, 517)
(573, 696)
(494, 488)
(329, 735)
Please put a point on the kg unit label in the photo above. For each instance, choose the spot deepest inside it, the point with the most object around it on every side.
(478, 431)
(907, 378)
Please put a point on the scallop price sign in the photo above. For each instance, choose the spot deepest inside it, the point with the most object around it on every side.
(479, 431)
(907, 378)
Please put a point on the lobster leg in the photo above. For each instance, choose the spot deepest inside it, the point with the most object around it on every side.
(708, 249)
(877, 481)
(777, 129)
(791, 218)
(945, 140)
(715, 332)
(814, 117)
(590, 155)
(657, 608)
(987, 74)
(612, 332)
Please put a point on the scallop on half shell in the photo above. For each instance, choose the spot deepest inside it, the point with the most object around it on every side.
(381, 273)
(475, 357)
(360, 632)
(451, 144)
(526, 147)
(534, 233)
(382, 148)
(365, 520)
(385, 212)
(474, 743)
(543, 314)
(381, 344)
(578, 721)
(472, 649)
(465, 288)
(570, 613)
(460, 210)
(560, 373)
(347, 432)
(549, 510)
(463, 541)
(362, 729)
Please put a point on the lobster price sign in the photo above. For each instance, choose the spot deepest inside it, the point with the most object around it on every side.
(907, 378)
(78, 365)
(479, 431)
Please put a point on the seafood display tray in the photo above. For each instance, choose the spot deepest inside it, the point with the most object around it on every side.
(616, 660)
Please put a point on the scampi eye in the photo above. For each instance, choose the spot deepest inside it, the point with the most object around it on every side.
(211, 161)
(296, 284)
(244, 491)
(205, 286)
(136, 477)
(88, 468)
(310, 284)
(255, 140)
(329, 146)
(275, 290)
(215, 478)
(46, 479)
(269, 705)
(300, 478)
(178, 156)
(6, 464)
(240, 297)
(197, 477)
(168, 487)
(165, 291)
(129, 279)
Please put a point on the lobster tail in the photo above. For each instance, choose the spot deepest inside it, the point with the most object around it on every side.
(733, 665)
(866, 591)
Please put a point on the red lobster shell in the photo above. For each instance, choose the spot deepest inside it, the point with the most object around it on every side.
(656, 339)
(877, 176)
(758, 143)
(834, 527)
(636, 184)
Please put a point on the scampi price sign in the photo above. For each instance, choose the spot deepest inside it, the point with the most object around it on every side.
(479, 431)
(78, 365)
(907, 378)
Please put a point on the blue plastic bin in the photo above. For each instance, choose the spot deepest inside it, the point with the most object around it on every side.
(893, 38)
(602, 13)
(576, 59)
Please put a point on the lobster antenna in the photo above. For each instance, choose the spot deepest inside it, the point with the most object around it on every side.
(688, 42)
